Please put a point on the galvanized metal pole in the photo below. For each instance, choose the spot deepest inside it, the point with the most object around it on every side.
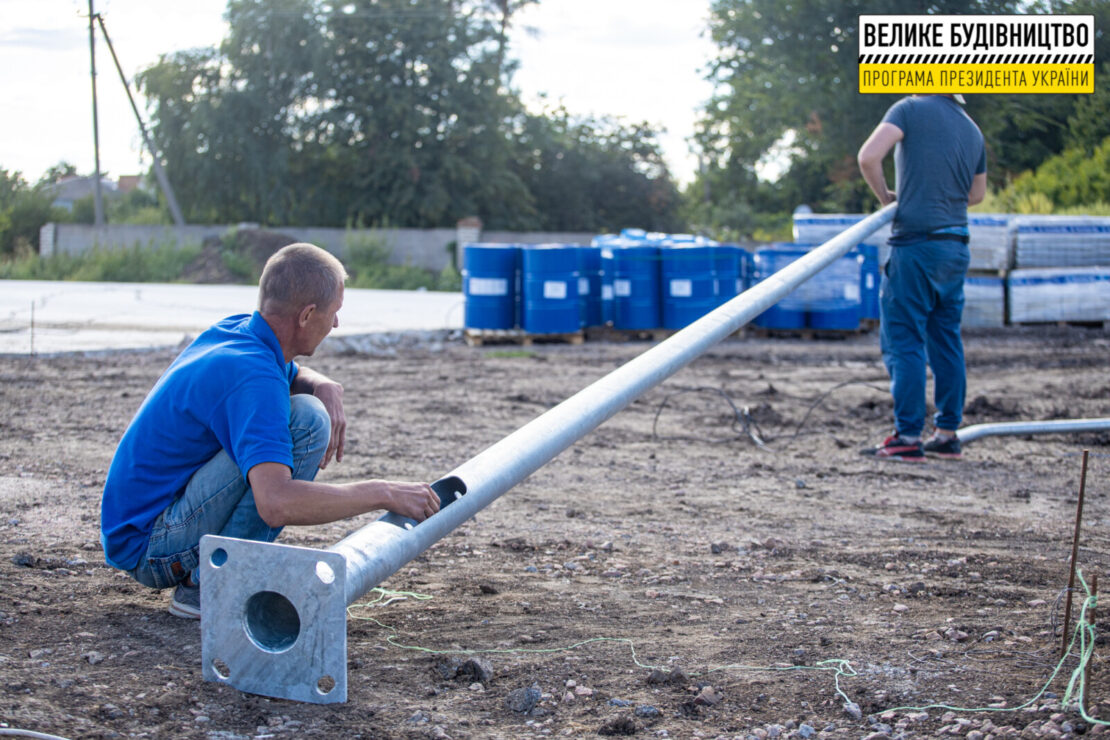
(1056, 426)
(377, 550)
(274, 617)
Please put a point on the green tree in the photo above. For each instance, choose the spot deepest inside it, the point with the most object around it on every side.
(789, 73)
(1089, 123)
(1075, 177)
(589, 174)
(419, 108)
(227, 122)
(23, 212)
(58, 172)
(381, 112)
(181, 91)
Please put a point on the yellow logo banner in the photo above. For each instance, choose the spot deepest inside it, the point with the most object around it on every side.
(976, 54)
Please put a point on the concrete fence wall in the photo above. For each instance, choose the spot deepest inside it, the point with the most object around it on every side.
(428, 248)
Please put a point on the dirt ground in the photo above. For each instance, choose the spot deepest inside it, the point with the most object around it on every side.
(664, 577)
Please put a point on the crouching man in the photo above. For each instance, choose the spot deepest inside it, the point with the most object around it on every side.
(229, 440)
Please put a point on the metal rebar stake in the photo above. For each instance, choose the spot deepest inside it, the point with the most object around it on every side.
(273, 617)
(1072, 561)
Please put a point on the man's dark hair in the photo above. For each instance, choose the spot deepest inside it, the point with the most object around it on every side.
(299, 275)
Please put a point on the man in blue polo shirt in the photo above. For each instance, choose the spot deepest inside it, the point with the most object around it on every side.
(230, 438)
(941, 169)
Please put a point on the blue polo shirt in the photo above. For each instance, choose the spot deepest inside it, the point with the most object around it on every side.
(228, 390)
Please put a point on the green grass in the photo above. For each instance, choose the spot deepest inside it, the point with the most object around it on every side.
(139, 264)
(367, 262)
(511, 354)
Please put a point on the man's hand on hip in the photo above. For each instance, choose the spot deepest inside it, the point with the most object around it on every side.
(331, 395)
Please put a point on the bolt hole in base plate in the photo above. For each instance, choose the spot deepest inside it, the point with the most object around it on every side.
(274, 619)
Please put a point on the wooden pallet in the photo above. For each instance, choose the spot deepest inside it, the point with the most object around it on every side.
(486, 337)
(611, 334)
(1063, 324)
(1000, 272)
(806, 334)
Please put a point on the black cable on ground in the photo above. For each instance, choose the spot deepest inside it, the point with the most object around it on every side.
(743, 425)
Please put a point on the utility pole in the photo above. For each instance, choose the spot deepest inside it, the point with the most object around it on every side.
(159, 172)
(98, 197)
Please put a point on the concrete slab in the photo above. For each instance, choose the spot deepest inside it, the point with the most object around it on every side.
(87, 317)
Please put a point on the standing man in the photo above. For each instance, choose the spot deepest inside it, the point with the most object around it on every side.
(230, 438)
(941, 169)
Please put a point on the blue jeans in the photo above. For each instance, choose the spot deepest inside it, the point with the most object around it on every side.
(217, 500)
(921, 300)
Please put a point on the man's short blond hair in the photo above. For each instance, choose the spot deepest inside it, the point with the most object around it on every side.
(299, 275)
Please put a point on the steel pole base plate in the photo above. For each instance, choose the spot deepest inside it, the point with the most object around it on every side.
(274, 619)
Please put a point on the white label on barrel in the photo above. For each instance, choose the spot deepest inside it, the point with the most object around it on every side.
(869, 280)
(554, 290)
(487, 286)
(606, 292)
(682, 288)
(622, 288)
(851, 292)
(583, 286)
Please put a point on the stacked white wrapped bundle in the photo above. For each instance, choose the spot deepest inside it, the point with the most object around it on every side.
(1061, 241)
(989, 235)
(989, 240)
(1059, 294)
(818, 228)
(984, 302)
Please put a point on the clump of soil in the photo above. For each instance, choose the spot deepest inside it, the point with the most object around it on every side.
(248, 249)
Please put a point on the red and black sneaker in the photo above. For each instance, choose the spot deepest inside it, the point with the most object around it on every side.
(943, 446)
(896, 448)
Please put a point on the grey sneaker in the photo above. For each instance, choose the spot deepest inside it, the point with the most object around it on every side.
(186, 602)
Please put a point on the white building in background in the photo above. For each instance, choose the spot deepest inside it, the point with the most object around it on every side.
(69, 190)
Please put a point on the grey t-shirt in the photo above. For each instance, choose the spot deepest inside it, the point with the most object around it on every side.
(939, 155)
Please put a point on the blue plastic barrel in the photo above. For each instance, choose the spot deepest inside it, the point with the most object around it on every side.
(833, 295)
(636, 287)
(606, 286)
(747, 271)
(727, 275)
(490, 285)
(549, 274)
(790, 312)
(589, 285)
(869, 281)
(688, 282)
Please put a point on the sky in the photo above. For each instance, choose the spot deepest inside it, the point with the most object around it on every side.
(640, 60)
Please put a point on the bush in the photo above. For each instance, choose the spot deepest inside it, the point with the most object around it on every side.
(1072, 179)
(135, 207)
(22, 215)
(236, 258)
(367, 263)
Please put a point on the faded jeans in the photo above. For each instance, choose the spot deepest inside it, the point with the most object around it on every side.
(921, 302)
(217, 500)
